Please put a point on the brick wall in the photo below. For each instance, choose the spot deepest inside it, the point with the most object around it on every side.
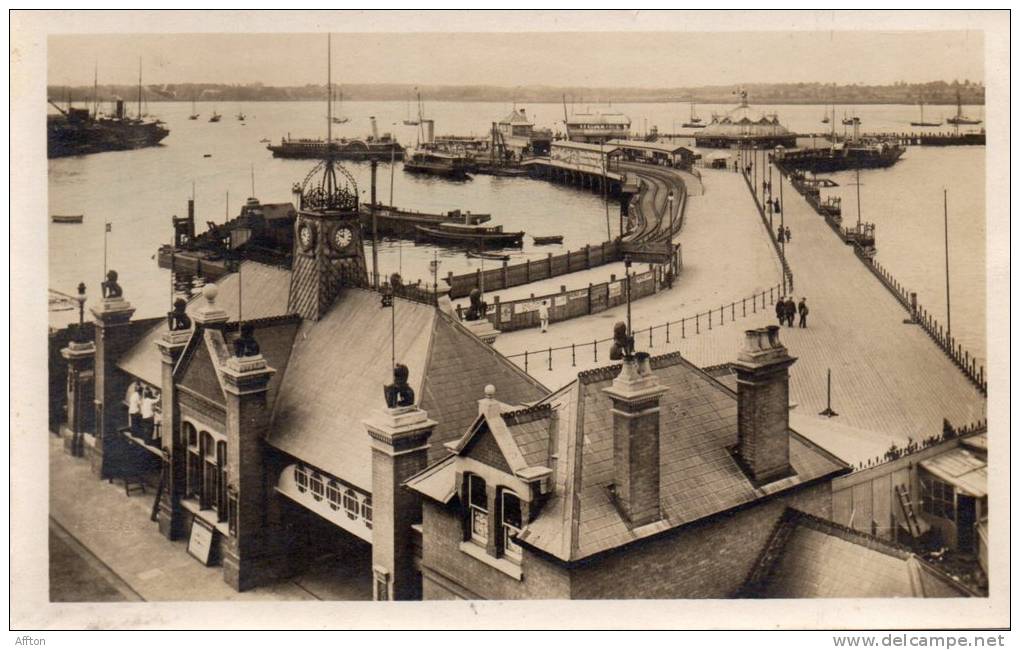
(449, 573)
(709, 560)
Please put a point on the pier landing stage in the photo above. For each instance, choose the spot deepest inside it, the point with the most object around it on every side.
(887, 376)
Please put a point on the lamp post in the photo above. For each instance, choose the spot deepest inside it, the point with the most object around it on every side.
(669, 203)
(80, 333)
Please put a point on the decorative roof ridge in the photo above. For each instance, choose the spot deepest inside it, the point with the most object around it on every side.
(528, 413)
(282, 319)
(603, 373)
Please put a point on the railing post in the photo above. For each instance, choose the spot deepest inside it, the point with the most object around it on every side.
(595, 347)
(650, 328)
(573, 356)
(667, 332)
(683, 328)
(550, 359)
(733, 314)
(743, 306)
(697, 323)
(525, 361)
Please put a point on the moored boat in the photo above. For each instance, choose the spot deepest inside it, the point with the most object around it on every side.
(437, 163)
(67, 218)
(488, 256)
(472, 235)
(547, 239)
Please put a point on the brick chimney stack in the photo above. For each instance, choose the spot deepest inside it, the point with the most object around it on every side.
(763, 405)
(635, 393)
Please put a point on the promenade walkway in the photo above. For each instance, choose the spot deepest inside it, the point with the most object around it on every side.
(726, 257)
(888, 378)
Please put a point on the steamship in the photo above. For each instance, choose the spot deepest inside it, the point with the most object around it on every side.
(76, 132)
(373, 147)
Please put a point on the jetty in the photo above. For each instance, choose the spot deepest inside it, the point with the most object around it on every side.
(888, 378)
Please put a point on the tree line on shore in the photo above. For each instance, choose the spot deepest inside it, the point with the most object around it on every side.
(937, 92)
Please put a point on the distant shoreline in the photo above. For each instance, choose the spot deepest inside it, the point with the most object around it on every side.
(602, 106)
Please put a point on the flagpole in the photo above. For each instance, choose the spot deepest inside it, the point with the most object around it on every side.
(945, 213)
(106, 230)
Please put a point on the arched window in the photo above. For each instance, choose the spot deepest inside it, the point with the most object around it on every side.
(193, 467)
(317, 487)
(301, 478)
(351, 505)
(366, 511)
(510, 523)
(478, 509)
(209, 472)
(221, 481)
(333, 494)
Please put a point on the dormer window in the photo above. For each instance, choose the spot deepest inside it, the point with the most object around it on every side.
(510, 523)
(478, 509)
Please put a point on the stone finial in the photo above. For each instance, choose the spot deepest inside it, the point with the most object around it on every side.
(245, 345)
(210, 313)
(623, 344)
(489, 405)
(178, 319)
(111, 289)
(399, 393)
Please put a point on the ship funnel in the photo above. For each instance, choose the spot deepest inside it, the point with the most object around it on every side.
(120, 109)
(375, 129)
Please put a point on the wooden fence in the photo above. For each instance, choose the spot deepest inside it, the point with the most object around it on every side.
(514, 275)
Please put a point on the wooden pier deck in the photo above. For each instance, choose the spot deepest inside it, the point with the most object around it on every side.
(887, 377)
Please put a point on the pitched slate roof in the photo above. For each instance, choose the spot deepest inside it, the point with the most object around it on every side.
(699, 476)
(264, 293)
(808, 557)
(340, 364)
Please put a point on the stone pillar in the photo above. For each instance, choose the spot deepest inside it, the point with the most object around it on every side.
(250, 552)
(636, 393)
(399, 450)
(171, 524)
(763, 405)
(112, 320)
(80, 395)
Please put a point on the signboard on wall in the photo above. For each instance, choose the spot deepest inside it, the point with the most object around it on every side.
(648, 252)
(615, 289)
(559, 301)
(504, 313)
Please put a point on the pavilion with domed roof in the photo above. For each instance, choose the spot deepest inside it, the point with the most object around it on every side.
(745, 127)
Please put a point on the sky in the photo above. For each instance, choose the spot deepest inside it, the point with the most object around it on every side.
(594, 59)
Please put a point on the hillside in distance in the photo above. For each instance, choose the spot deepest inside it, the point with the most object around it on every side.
(939, 92)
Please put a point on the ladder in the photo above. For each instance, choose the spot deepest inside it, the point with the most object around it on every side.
(908, 511)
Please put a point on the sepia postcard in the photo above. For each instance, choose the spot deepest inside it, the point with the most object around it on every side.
(620, 319)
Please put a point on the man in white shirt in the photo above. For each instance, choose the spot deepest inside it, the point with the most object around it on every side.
(147, 411)
(543, 316)
(134, 409)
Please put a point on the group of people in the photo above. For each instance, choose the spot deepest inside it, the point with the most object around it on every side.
(783, 234)
(144, 414)
(786, 310)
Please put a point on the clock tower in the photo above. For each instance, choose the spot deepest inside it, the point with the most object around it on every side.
(329, 254)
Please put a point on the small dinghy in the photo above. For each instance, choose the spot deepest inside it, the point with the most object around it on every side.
(496, 257)
(548, 239)
(67, 218)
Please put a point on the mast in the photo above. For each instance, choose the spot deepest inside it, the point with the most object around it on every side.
(139, 88)
(329, 90)
(95, 93)
(945, 216)
(858, 197)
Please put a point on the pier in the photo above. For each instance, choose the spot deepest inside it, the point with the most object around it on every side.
(889, 381)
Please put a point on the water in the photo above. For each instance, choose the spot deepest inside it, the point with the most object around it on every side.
(138, 191)
(905, 204)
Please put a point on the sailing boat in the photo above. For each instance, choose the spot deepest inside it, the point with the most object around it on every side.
(921, 122)
(825, 117)
(409, 121)
(215, 116)
(240, 114)
(695, 121)
(960, 118)
(337, 117)
(194, 115)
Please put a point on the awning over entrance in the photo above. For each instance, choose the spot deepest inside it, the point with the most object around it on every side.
(962, 469)
(337, 502)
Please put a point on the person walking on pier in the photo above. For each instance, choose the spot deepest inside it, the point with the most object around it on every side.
(791, 311)
(803, 309)
(781, 310)
(779, 234)
(788, 240)
(543, 316)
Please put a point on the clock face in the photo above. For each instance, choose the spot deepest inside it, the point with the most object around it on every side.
(305, 236)
(342, 238)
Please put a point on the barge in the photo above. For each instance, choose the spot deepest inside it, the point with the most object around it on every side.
(470, 235)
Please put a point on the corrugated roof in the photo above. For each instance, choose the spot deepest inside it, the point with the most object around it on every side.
(961, 468)
(586, 146)
(642, 145)
(807, 557)
(264, 292)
